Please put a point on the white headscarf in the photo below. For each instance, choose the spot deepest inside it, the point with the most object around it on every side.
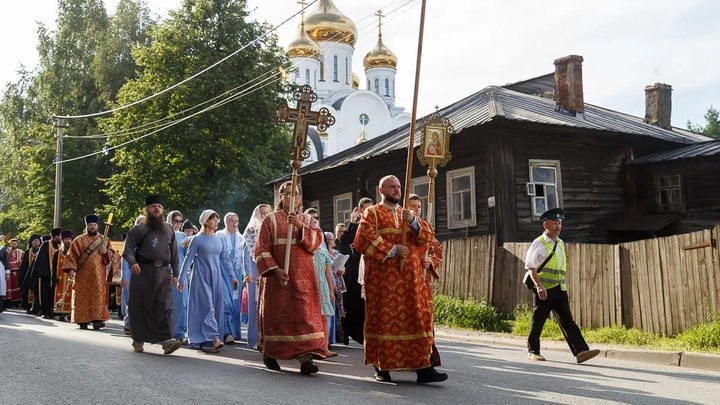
(228, 215)
(255, 220)
(204, 218)
(170, 216)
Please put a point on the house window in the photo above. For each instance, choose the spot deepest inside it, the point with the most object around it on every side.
(335, 68)
(544, 187)
(668, 193)
(461, 198)
(421, 187)
(342, 205)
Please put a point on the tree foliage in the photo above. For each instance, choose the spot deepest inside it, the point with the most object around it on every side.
(75, 75)
(221, 158)
(712, 124)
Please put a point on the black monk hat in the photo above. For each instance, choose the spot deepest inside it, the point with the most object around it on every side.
(55, 231)
(187, 225)
(555, 214)
(66, 234)
(153, 199)
(92, 219)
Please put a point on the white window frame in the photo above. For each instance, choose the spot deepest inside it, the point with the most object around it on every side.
(423, 181)
(532, 184)
(345, 214)
(449, 176)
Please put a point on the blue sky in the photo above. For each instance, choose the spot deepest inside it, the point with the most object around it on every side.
(469, 45)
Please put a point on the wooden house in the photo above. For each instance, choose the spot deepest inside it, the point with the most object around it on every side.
(518, 150)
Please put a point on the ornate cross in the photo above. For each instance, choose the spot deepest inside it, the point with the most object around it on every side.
(303, 116)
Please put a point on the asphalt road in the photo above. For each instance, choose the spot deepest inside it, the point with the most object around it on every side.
(48, 362)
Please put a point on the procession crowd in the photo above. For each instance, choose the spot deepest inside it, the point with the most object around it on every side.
(298, 289)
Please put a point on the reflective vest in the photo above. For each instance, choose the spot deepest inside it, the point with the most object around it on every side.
(553, 274)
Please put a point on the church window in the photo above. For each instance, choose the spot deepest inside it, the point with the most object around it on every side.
(346, 72)
(307, 76)
(314, 78)
(322, 69)
(393, 88)
(363, 119)
(461, 198)
(368, 87)
(335, 68)
(387, 87)
(377, 86)
(297, 76)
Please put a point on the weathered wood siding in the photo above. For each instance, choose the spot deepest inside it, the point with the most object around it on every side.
(700, 187)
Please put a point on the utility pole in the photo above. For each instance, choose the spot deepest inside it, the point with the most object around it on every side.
(58, 170)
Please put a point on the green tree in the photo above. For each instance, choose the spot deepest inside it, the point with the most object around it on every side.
(221, 158)
(65, 82)
(712, 124)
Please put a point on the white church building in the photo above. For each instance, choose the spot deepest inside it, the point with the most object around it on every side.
(322, 55)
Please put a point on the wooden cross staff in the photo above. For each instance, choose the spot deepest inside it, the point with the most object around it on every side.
(302, 116)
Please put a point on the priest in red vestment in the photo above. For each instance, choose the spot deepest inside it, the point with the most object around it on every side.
(398, 314)
(290, 322)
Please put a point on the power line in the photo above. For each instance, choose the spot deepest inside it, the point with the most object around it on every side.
(229, 99)
(189, 78)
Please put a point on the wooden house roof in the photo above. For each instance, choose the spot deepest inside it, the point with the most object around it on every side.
(702, 149)
(503, 103)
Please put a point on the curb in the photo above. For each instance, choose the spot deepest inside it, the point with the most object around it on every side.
(691, 360)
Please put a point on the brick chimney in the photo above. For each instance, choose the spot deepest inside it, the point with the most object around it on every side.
(658, 105)
(569, 85)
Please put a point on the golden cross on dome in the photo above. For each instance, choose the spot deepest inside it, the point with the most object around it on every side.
(302, 4)
(379, 15)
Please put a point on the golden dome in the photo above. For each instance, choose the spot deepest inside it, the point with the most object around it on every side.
(327, 23)
(380, 56)
(303, 47)
(355, 81)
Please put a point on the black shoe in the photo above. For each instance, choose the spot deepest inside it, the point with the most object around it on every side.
(430, 375)
(98, 325)
(382, 376)
(307, 368)
(83, 326)
(271, 364)
(346, 340)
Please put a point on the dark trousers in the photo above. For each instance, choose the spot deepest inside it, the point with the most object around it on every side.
(557, 301)
(45, 294)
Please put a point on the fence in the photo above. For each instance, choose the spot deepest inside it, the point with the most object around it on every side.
(661, 285)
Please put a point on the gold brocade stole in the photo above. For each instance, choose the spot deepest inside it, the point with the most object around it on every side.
(88, 251)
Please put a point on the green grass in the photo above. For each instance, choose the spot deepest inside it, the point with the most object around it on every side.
(478, 315)
(469, 314)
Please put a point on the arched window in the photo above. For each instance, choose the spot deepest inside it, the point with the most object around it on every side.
(307, 76)
(393, 88)
(322, 69)
(335, 68)
(297, 76)
(368, 87)
(377, 86)
(315, 78)
(346, 71)
(387, 88)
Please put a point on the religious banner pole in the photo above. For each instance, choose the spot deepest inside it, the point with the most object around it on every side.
(302, 116)
(413, 118)
(434, 151)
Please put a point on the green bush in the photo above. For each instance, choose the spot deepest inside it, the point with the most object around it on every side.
(621, 335)
(469, 314)
(702, 337)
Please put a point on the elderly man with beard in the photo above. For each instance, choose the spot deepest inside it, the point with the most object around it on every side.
(86, 265)
(151, 252)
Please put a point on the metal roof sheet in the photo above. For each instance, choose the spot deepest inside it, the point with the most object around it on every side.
(702, 149)
(494, 101)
